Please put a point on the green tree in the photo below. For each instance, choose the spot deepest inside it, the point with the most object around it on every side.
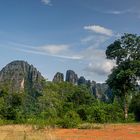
(10, 105)
(81, 95)
(124, 76)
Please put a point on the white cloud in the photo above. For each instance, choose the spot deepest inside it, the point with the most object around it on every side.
(97, 65)
(46, 2)
(99, 30)
(59, 51)
(73, 57)
(102, 67)
(94, 41)
(54, 49)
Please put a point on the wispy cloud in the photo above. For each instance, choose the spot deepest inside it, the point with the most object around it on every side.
(99, 30)
(119, 12)
(47, 2)
(43, 53)
(94, 41)
(132, 11)
(55, 50)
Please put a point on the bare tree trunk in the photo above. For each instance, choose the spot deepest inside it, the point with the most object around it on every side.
(125, 107)
(125, 103)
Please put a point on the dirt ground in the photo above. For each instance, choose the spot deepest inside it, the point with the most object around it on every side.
(107, 132)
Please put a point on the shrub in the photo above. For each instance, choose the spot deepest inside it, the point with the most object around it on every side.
(96, 115)
(113, 112)
(71, 119)
(82, 112)
(90, 126)
(104, 113)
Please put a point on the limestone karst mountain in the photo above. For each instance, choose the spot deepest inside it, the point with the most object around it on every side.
(82, 80)
(59, 77)
(101, 91)
(71, 77)
(19, 76)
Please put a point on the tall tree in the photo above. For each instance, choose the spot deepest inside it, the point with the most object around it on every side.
(126, 73)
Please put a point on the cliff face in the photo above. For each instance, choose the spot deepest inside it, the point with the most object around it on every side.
(71, 77)
(82, 81)
(19, 76)
(101, 91)
(59, 77)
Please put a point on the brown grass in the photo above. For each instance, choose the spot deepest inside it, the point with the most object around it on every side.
(23, 132)
(106, 132)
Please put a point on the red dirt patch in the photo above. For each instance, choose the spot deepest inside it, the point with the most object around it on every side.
(108, 132)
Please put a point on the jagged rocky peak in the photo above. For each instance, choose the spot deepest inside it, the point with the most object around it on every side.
(19, 76)
(82, 80)
(71, 77)
(58, 77)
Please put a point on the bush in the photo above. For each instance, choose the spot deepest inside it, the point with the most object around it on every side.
(71, 119)
(82, 112)
(90, 126)
(113, 112)
(101, 112)
(96, 115)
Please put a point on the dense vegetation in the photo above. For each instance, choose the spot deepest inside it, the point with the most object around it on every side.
(62, 104)
(67, 105)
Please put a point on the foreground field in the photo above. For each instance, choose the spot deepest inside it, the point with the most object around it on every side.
(107, 132)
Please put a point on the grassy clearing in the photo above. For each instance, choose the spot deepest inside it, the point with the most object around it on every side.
(25, 132)
(86, 131)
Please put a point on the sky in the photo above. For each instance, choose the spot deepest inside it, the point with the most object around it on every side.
(58, 35)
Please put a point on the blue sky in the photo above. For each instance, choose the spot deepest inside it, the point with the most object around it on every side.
(57, 35)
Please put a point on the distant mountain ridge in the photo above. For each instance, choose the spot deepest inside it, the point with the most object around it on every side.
(19, 76)
(101, 91)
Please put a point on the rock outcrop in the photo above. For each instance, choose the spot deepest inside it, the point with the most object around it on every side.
(59, 77)
(101, 91)
(71, 77)
(19, 76)
(82, 81)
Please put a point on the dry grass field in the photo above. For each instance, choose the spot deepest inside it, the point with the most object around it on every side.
(107, 132)
(24, 132)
